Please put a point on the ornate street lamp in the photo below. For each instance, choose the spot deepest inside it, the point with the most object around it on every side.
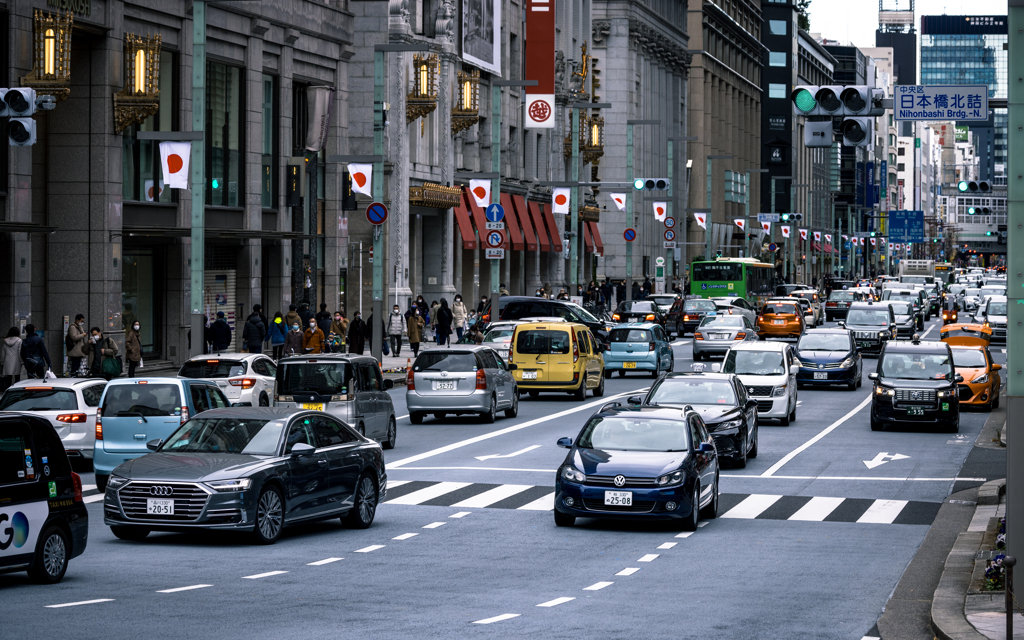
(140, 97)
(593, 150)
(423, 98)
(466, 113)
(51, 55)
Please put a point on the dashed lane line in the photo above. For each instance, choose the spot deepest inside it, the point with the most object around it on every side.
(405, 536)
(685, 534)
(667, 545)
(320, 563)
(628, 571)
(597, 586)
(188, 588)
(433, 525)
(372, 547)
(263, 575)
(555, 602)
(461, 514)
(650, 557)
(76, 604)
(504, 616)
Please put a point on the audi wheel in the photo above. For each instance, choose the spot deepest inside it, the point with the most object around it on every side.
(269, 516)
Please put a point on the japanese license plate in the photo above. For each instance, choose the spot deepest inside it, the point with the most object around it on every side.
(629, 365)
(529, 375)
(619, 498)
(821, 376)
(719, 336)
(313, 406)
(444, 385)
(915, 411)
(159, 507)
(778, 322)
(863, 343)
(843, 304)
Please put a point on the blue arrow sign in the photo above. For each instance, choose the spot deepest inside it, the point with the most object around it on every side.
(495, 212)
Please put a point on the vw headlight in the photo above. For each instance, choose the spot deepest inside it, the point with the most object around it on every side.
(672, 478)
(846, 364)
(982, 379)
(730, 428)
(572, 475)
(115, 482)
(778, 393)
(238, 484)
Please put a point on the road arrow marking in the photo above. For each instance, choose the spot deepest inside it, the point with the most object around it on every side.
(880, 459)
(508, 455)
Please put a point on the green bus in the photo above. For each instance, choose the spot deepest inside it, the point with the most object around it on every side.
(748, 278)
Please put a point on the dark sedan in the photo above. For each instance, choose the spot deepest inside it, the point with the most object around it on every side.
(686, 315)
(828, 357)
(645, 463)
(638, 311)
(255, 469)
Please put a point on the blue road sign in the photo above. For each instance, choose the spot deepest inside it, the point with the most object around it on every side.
(376, 213)
(495, 239)
(906, 226)
(629, 235)
(495, 212)
(772, 246)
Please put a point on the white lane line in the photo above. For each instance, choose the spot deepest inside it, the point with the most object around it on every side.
(685, 534)
(461, 514)
(827, 430)
(397, 483)
(487, 498)
(320, 563)
(263, 575)
(868, 478)
(679, 343)
(429, 493)
(470, 469)
(752, 506)
(667, 545)
(75, 604)
(372, 547)
(88, 487)
(405, 536)
(95, 498)
(189, 588)
(649, 557)
(500, 432)
(397, 418)
(597, 586)
(628, 571)
(555, 602)
(817, 509)
(547, 503)
(433, 525)
(504, 616)
(882, 511)
(929, 330)
(703, 523)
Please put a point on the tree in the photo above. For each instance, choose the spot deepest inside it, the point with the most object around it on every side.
(803, 19)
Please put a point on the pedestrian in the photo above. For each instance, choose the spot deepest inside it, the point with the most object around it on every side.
(10, 358)
(539, 293)
(306, 314)
(444, 324)
(481, 306)
(133, 347)
(254, 332)
(75, 341)
(323, 319)
(292, 316)
(293, 339)
(503, 290)
(339, 327)
(620, 291)
(476, 334)
(636, 290)
(459, 314)
(33, 353)
(103, 350)
(414, 324)
(647, 286)
(313, 340)
(432, 319)
(220, 334)
(277, 333)
(424, 309)
(562, 295)
(258, 310)
(356, 334)
(395, 328)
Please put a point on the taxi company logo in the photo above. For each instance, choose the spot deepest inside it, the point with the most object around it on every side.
(16, 533)
(619, 481)
(161, 491)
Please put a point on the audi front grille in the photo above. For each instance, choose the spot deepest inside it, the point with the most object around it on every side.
(189, 500)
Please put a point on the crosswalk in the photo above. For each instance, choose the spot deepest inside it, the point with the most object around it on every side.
(732, 506)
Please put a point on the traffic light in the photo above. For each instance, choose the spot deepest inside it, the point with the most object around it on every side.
(862, 100)
(857, 132)
(804, 102)
(651, 184)
(872, 234)
(19, 105)
(990, 233)
(18, 102)
(790, 217)
(21, 132)
(974, 186)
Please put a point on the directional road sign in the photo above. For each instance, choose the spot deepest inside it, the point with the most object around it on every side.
(376, 213)
(670, 235)
(495, 212)
(906, 226)
(670, 222)
(941, 102)
(495, 239)
(768, 217)
(629, 235)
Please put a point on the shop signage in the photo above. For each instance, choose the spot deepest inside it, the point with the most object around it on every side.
(81, 7)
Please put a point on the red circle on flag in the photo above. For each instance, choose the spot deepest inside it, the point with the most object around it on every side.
(660, 210)
(560, 199)
(360, 178)
(174, 163)
(480, 193)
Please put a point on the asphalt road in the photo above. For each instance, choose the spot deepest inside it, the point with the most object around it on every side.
(810, 543)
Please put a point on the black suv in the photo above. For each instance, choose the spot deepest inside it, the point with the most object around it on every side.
(915, 383)
(872, 325)
(519, 307)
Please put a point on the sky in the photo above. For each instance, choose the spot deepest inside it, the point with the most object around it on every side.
(855, 21)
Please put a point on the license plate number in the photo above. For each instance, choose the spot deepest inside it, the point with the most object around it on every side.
(862, 343)
(159, 507)
(618, 498)
(719, 336)
(843, 304)
(778, 322)
(447, 385)
(313, 406)
(820, 376)
(529, 375)
(629, 365)
(915, 411)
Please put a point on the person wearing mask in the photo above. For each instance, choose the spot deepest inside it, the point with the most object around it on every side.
(254, 332)
(539, 293)
(459, 315)
(293, 339)
(33, 353)
(395, 326)
(424, 309)
(277, 333)
(414, 325)
(339, 327)
(444, 323)
(133, 347)
(220, 334)
(306, 314)
(10, 358)
(258, 310)
(476, 334)
(313, 340)
(356, 334)
(102, 349)
(562, 295)
(292, 316)
(323, 318)
(76, 339)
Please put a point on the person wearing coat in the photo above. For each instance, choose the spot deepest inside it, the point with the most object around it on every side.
(395, 327)
(292, 316)
(10, 358)
(306, 314)
(424, 309)
(444, 323)
(339, 326)
(434, 306)
(293, 339)
(323, 318)
(253, 333)
(33, 353)
(277, 333)
(356, 334)
(133, 347)
(414, 324)
(459, 315)
(313, 340)
(78, 337)
(220, 334)
(101, 349)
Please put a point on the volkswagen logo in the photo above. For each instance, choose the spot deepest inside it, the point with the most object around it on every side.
(161, 491)
(620, 481)
(916, 395)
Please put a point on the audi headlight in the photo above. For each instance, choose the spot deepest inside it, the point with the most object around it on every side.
(572, 475)
(778, 393)
(672, 478)
(238, 484)
(114, 482)
(729, 428)
(983, 378)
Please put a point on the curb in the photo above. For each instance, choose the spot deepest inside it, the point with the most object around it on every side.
(990, 492)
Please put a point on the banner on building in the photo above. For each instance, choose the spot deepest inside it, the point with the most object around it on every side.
(702, 220)
(174, 157)
(319, 102)
(803, 234)
(767, 227)
(828, 238)
(560, 200)
(817, 236)
(481, 190)
(481, 34)
(362, 178)
(620, 200)
(660, 211)
(540, 66)
(741, 223)
(785, 231)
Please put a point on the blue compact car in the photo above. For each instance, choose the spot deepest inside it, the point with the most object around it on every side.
(640, 463)
(828, 357)
(638, 346)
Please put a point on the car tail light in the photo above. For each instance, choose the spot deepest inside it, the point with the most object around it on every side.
(616, 317)
(481, 380)
(760, 319)
(575, 349)
(245, 383)
(650, 346)
(487, 317)
(99, 423)
(741, 336)
(649, 317)
(184, 415)
(76, 481)
(730, 312)
(686, 317)
(410, 381)
(71, 417)
(697, 336)
(512, 344)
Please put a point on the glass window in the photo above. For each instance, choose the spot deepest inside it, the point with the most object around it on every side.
(324, 378)
(330, 433)
(92, 394)
(917, 366)
(969, 358)
(219, 368)
(142, 178)
(369, 380)
(777, 27)
(44, 399)
(825, 342)
(224, 106)
(721, 271)
(776, 90)
(301, 431)
(226, 435)
(693, 391)
(15, 440)
(776, 59)
(543, 342)
(445, 361)
(634, 434)
(758, 363)
(217, 398)
(141, 399)
(199, 400)
(630, 335)
(269, 169)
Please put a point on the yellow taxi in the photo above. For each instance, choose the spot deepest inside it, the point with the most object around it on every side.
(966, 334)
(975, 364)
(780, 318)
(556, 356)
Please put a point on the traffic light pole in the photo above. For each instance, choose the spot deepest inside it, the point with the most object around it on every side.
(1015, 290)
(198, 160)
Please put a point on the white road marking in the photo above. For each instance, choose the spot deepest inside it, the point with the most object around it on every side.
(628, 571)
(429, 493)
(433, 525)
(189, 588)
(869, 478)
(547, 503)
(597, 586)
(685, 534)
(817, 509)
(555, 602)
(470, 469)
(500, 432)
(928, 330)
(461, 514)
(372, 547)
(882, 511)
(88, 487)
(649, 557)
(94, 498)
(263, 575)
(397, 483)
(504, 616)
(508, 455)
(880, 459)
(320, 563)
(829, 429)
(667, 545)
(702, 524)
(497, 494)
(405, 536)
(752, 506)
(75, 604)
(679, 343)
(397, 418)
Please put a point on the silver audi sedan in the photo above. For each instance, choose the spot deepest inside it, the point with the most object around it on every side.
(717, 334)
(467, 379)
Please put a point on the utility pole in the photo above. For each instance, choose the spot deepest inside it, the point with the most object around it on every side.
(198, 160)
(629, 199)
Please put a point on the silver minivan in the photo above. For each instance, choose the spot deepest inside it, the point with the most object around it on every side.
(349, 387)
(468, 380)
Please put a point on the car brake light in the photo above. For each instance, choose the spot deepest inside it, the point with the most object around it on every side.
(650, 346)
(650, 317)
(730, 312)
(698, 336)
(99, 424)
(245, 383)
(481, 380)
(741, 336)
(184, 415)
(686, 317)
(575, 349)
(71, 417)
(212, 361)
(76, 481)
(512, 344)
(410, 381)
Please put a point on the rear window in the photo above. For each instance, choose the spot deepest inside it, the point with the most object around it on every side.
(324, 378)
(445, 361)
(212, 369)
(144, 399)
(15, 450)
(540, 341)
(779, 308)
(869, 317)
(637, 305)
(631, 335)
(841, 296)
(21, 399)
(699, 305)
(807, 295)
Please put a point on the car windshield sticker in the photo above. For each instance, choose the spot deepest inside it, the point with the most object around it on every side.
(53, 489)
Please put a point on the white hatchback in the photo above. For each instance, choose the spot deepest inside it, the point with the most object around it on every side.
(246, 379)
(68, 403)
(768, 371)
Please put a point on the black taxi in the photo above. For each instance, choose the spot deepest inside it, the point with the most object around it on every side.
(43, 519)
(872, 324)
(916, 384)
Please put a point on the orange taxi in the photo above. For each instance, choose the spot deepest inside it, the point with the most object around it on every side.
(975, 364)
(780, 318)
(966, 334)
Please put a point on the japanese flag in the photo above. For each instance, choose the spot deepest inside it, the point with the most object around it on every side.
(660, 211)
(846, 237)
(828, 238)
(481, 190)
(862, 243)
(174, 158)
(620, 200)
(560, 200)
(803, 234)
(702, 220)
(873, 243)
(817, 236)
(785, 231)
(741, 223)
(767, 226)
(362, 178)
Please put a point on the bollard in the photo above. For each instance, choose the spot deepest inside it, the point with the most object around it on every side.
(1008, 563)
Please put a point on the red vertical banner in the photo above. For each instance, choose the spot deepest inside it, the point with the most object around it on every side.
(540, 64)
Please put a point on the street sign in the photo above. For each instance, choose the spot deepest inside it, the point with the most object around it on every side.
(906, 226)
(495, 239)
(629, 235)
(768, 217)
(772, 246)
(659, 261)
(670, 245)
(495, 213)
(670, 222)
(376, 213)
(495, 254)
(961, 102)
(670, 235)
(495, 226)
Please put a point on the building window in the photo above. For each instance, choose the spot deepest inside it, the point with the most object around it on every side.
(902, 151)
(777, 27)
(268, 175)
(776, 58)
(776, 90)
(224, 107)
(900, 167)
(141, 177)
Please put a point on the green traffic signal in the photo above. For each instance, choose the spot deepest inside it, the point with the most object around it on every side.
(785, 217)
(638, 184)
(971, 210)
(962, 185)
(872, 234)
(988, 233)
(804, 100)
(216, 184)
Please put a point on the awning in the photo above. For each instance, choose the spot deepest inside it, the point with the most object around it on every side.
(465, 226)
(815, 246)
(512, 222)
(538, 224)
(479, 219)
(556, 238)
(588, 243)
(594, 231)
(524, 221)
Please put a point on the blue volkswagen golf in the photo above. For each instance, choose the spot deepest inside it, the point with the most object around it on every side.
(639, 462)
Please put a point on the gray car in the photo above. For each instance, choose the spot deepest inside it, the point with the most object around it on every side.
(471, 379)
(349, 387)
(717, 334)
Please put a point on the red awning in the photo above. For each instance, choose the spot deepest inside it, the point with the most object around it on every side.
(512, 222)
(478, 218)
(556, 239)
(524, 221)
(538, 224)
(588, 243)
(465, 226)
(815, 246)
(594, 231)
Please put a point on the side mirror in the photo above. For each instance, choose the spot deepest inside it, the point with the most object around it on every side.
(153, 445)
(706, 447)
(302, 449)
(751, 404)
(389, 384)
(958, 378)
(997, 367)
(842, 324)
(872, 376)
(635, 400)
(794, 369)
(565, 443)
(512, 367)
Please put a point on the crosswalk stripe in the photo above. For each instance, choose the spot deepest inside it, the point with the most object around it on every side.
(392, 484)
(817, 509)
(429, 493)
(883, 512)
(752, 506)
(547, 503)
(489, 497)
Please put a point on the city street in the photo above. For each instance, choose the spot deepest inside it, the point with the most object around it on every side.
(811, 539)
